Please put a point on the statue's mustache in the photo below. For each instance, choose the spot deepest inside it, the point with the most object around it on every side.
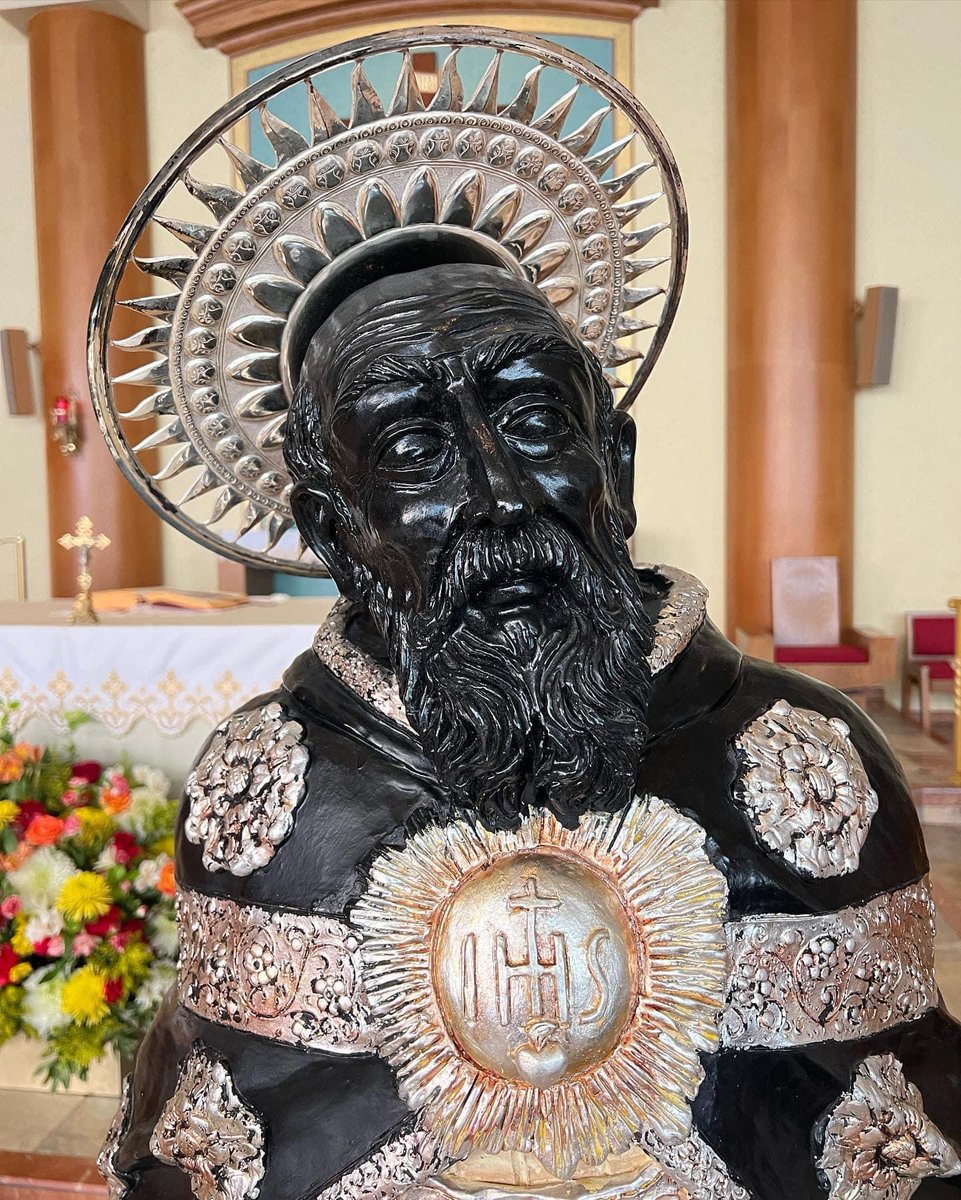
(540, 550)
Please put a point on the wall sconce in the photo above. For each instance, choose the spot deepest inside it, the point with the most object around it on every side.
(65, 423)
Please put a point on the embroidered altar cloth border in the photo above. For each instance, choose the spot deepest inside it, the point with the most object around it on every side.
(164, 668)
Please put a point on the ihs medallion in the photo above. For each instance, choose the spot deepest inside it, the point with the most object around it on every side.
(548, 990)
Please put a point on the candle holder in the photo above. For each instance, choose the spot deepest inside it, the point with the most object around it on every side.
(65, 423)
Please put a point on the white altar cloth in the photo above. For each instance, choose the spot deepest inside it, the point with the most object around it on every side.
(164, 666)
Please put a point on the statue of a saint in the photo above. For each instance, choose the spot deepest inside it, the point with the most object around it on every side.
(524, 883)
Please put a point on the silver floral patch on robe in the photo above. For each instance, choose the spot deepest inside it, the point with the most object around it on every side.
(693, 1165)
(208, 1131)
(878, 1142)
(117, 1186)
(804, 787)
(243, 792)
(682, 614)
(398, 1165)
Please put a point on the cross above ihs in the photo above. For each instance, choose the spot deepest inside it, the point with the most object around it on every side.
(84, 539)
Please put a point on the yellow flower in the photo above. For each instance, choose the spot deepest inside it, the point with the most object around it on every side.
(82, 997)
(19, 940)
(8, 813)
(84, 897)
(135, 962)
(96, 826)
(20, 972)
(164, 846)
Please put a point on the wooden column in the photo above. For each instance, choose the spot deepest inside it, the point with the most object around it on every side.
(791, 93)
(90, 164)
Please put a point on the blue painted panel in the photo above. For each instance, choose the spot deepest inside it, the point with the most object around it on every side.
(383, 70)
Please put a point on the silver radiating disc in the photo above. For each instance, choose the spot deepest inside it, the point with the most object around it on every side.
(590, 210)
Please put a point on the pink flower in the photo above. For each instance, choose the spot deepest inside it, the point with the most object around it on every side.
(10, 907)
(71, 825)
(72, 797)
(51, 947)
(83, 944)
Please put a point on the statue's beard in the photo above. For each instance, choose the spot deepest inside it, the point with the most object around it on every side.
(547, 709)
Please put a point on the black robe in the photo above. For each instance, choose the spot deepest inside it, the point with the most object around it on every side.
(369, 784)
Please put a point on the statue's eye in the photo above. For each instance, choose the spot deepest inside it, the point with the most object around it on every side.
(535, 426)
(419, 450)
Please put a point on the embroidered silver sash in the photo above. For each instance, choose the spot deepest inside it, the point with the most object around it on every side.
(793, 980)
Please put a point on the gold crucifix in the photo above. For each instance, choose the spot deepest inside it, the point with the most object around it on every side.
(84, 539)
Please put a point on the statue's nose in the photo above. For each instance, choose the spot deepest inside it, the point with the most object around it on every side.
(500, 492)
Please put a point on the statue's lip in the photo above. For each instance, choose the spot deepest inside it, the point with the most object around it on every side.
(509, 595)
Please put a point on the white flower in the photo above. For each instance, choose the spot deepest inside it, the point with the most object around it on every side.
(107, 857)
(162, 929)
(41, 878)
(146, 811)
(162, 977)
(149, 872)
(151, 778)
(41, 1003)
(46, 923)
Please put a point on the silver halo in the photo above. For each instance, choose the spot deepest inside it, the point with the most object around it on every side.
(509, 183)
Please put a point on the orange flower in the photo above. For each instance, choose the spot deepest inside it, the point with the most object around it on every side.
(44, 830)
(115, 800)
(168, 883)
(12, 862)
(27, 753)
(11, 767)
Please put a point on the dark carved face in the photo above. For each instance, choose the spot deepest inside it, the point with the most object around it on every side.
(460, 469)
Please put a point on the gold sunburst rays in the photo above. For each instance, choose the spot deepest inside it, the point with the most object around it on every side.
(544, 990)
(505, 170)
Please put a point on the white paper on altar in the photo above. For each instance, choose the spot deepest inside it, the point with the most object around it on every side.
(167, 674)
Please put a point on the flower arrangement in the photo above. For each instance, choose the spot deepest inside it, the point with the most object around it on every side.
(88, 936)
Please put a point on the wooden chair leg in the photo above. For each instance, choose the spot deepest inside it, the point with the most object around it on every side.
(906, 685)
(925, 688)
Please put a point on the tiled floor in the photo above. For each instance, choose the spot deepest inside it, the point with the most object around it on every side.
(75, 1125)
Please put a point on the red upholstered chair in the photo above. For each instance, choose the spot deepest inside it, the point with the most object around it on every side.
(928, 660)
(805, 602)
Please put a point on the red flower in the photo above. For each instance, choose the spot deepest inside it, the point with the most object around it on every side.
(125, 847)
(113, 990)
(8, 960)
(105, 924)
(28, 810)
(89, 771)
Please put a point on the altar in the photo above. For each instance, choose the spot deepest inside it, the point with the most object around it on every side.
(154, 681)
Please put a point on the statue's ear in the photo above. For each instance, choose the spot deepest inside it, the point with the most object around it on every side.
(316, 516)
(623, 445)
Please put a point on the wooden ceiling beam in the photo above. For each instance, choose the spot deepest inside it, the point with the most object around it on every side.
(238, 28)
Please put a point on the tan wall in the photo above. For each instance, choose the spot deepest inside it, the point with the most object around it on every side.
(679, 68)
(908, 505)
(23, 487)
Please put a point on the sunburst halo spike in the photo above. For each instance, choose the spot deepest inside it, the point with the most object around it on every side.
(584, 137)
(286, 141)
(170, 435)
(189, 232)
(365, 103)
(484, 99)
(324, 121)
(219, 199)
(552, 121)
(522, 107)
(251, 170)
(226, 500)
(224, 338)
(449, 96)
(630, 209)
(407, 96)
(204, 483)
(601, 159)
(186, 457)
(154, 337)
